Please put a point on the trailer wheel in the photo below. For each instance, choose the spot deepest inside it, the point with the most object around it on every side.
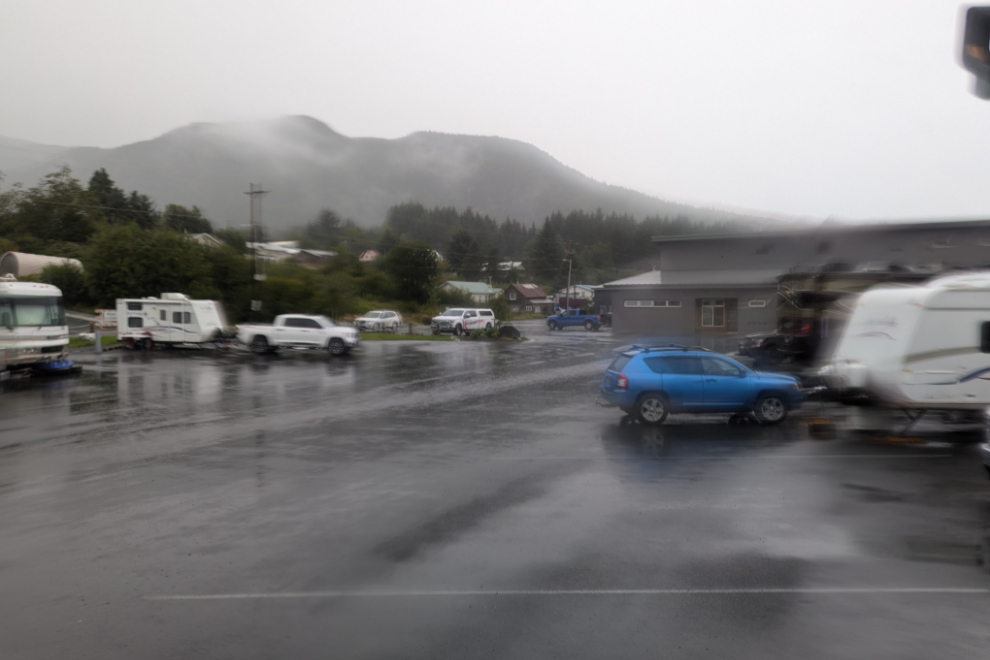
(148, 344)
(259, 345)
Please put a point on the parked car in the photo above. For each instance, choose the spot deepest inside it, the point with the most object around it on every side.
(463, 320)
(763, 347)
(298, 331)
(574, 317)
(651, 382)
(380, 320)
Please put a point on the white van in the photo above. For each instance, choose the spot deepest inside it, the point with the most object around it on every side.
(171, 319)
(924, 348)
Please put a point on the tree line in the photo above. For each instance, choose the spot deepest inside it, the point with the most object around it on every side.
(129, 248)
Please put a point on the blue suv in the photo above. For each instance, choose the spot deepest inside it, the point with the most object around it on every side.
(651, 382)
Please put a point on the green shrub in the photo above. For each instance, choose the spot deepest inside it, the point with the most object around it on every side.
(492, 333)
(70, 280)
(477, 333)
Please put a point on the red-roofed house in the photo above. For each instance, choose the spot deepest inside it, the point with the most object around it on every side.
(528, 298)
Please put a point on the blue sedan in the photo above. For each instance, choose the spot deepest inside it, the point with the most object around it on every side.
(652, 382)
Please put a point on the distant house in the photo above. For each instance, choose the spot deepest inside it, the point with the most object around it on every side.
(506, 266)
(209, 240)
(479, 291)
(273, 251)
(583, 291)
(313, 257)
(528, 298)
(369, 255)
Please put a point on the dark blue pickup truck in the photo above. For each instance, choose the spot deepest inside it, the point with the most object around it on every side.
(574, 317)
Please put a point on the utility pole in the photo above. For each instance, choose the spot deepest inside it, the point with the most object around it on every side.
(255, 193)
(570, 263)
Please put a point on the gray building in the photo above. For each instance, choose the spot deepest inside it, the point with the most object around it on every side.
(712, 289)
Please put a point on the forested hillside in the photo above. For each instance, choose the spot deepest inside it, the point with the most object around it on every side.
(131, 247)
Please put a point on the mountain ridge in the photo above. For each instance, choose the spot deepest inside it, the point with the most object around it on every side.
(308, 165)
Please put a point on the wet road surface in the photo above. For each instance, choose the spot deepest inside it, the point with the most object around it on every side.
(462, 500)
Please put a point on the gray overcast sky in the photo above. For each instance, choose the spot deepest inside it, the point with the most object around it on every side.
(854, 109)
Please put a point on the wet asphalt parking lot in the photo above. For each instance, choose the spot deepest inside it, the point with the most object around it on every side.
(463, 500)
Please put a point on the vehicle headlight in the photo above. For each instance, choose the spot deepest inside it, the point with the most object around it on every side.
(795, 386)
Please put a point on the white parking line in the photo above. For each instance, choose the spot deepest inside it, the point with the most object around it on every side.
(583, 592)
(716, 458)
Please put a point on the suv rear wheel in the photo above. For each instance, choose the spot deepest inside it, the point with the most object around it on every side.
(651, 409)
(770, 409)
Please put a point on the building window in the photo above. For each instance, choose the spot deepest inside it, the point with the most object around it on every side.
(652, 303)
(757, 303)
(529, 308)
(512, 295)
(713, 313)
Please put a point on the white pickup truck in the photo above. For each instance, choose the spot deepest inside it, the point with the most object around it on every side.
(298, 331)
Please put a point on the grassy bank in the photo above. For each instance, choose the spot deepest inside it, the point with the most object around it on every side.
(79, 342)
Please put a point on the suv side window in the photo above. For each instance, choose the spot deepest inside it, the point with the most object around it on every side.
(656, 364)
(293, 323)
(470, 315)
(487, 312)
(716, 367)
(682, 365)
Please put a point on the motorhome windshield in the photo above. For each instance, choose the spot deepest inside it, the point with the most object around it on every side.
(31, 312)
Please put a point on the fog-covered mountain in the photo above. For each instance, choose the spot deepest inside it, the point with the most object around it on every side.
(306, 166)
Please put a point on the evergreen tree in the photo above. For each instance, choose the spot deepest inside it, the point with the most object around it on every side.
(472, 262)
(414, 269)
(547, 255)
(457, 249)
(187, 221)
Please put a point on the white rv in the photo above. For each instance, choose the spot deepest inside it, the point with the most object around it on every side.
(922, 348)
(32, 324)
(171, 319)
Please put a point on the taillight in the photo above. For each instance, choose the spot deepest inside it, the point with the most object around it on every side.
(805, 328)
(622, 383)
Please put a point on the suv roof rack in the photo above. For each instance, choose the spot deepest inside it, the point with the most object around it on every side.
(669, 347)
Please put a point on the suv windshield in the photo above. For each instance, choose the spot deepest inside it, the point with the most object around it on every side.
(453, 312)
(31, 312)
(373, 315)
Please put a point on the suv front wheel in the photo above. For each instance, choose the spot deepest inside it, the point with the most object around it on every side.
(770, 409)
(651, 409)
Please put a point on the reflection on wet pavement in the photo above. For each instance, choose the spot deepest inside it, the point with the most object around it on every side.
(289, 489)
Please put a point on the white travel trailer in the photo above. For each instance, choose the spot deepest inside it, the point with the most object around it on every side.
(171, 319)
(920, 348)
(32, 324)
